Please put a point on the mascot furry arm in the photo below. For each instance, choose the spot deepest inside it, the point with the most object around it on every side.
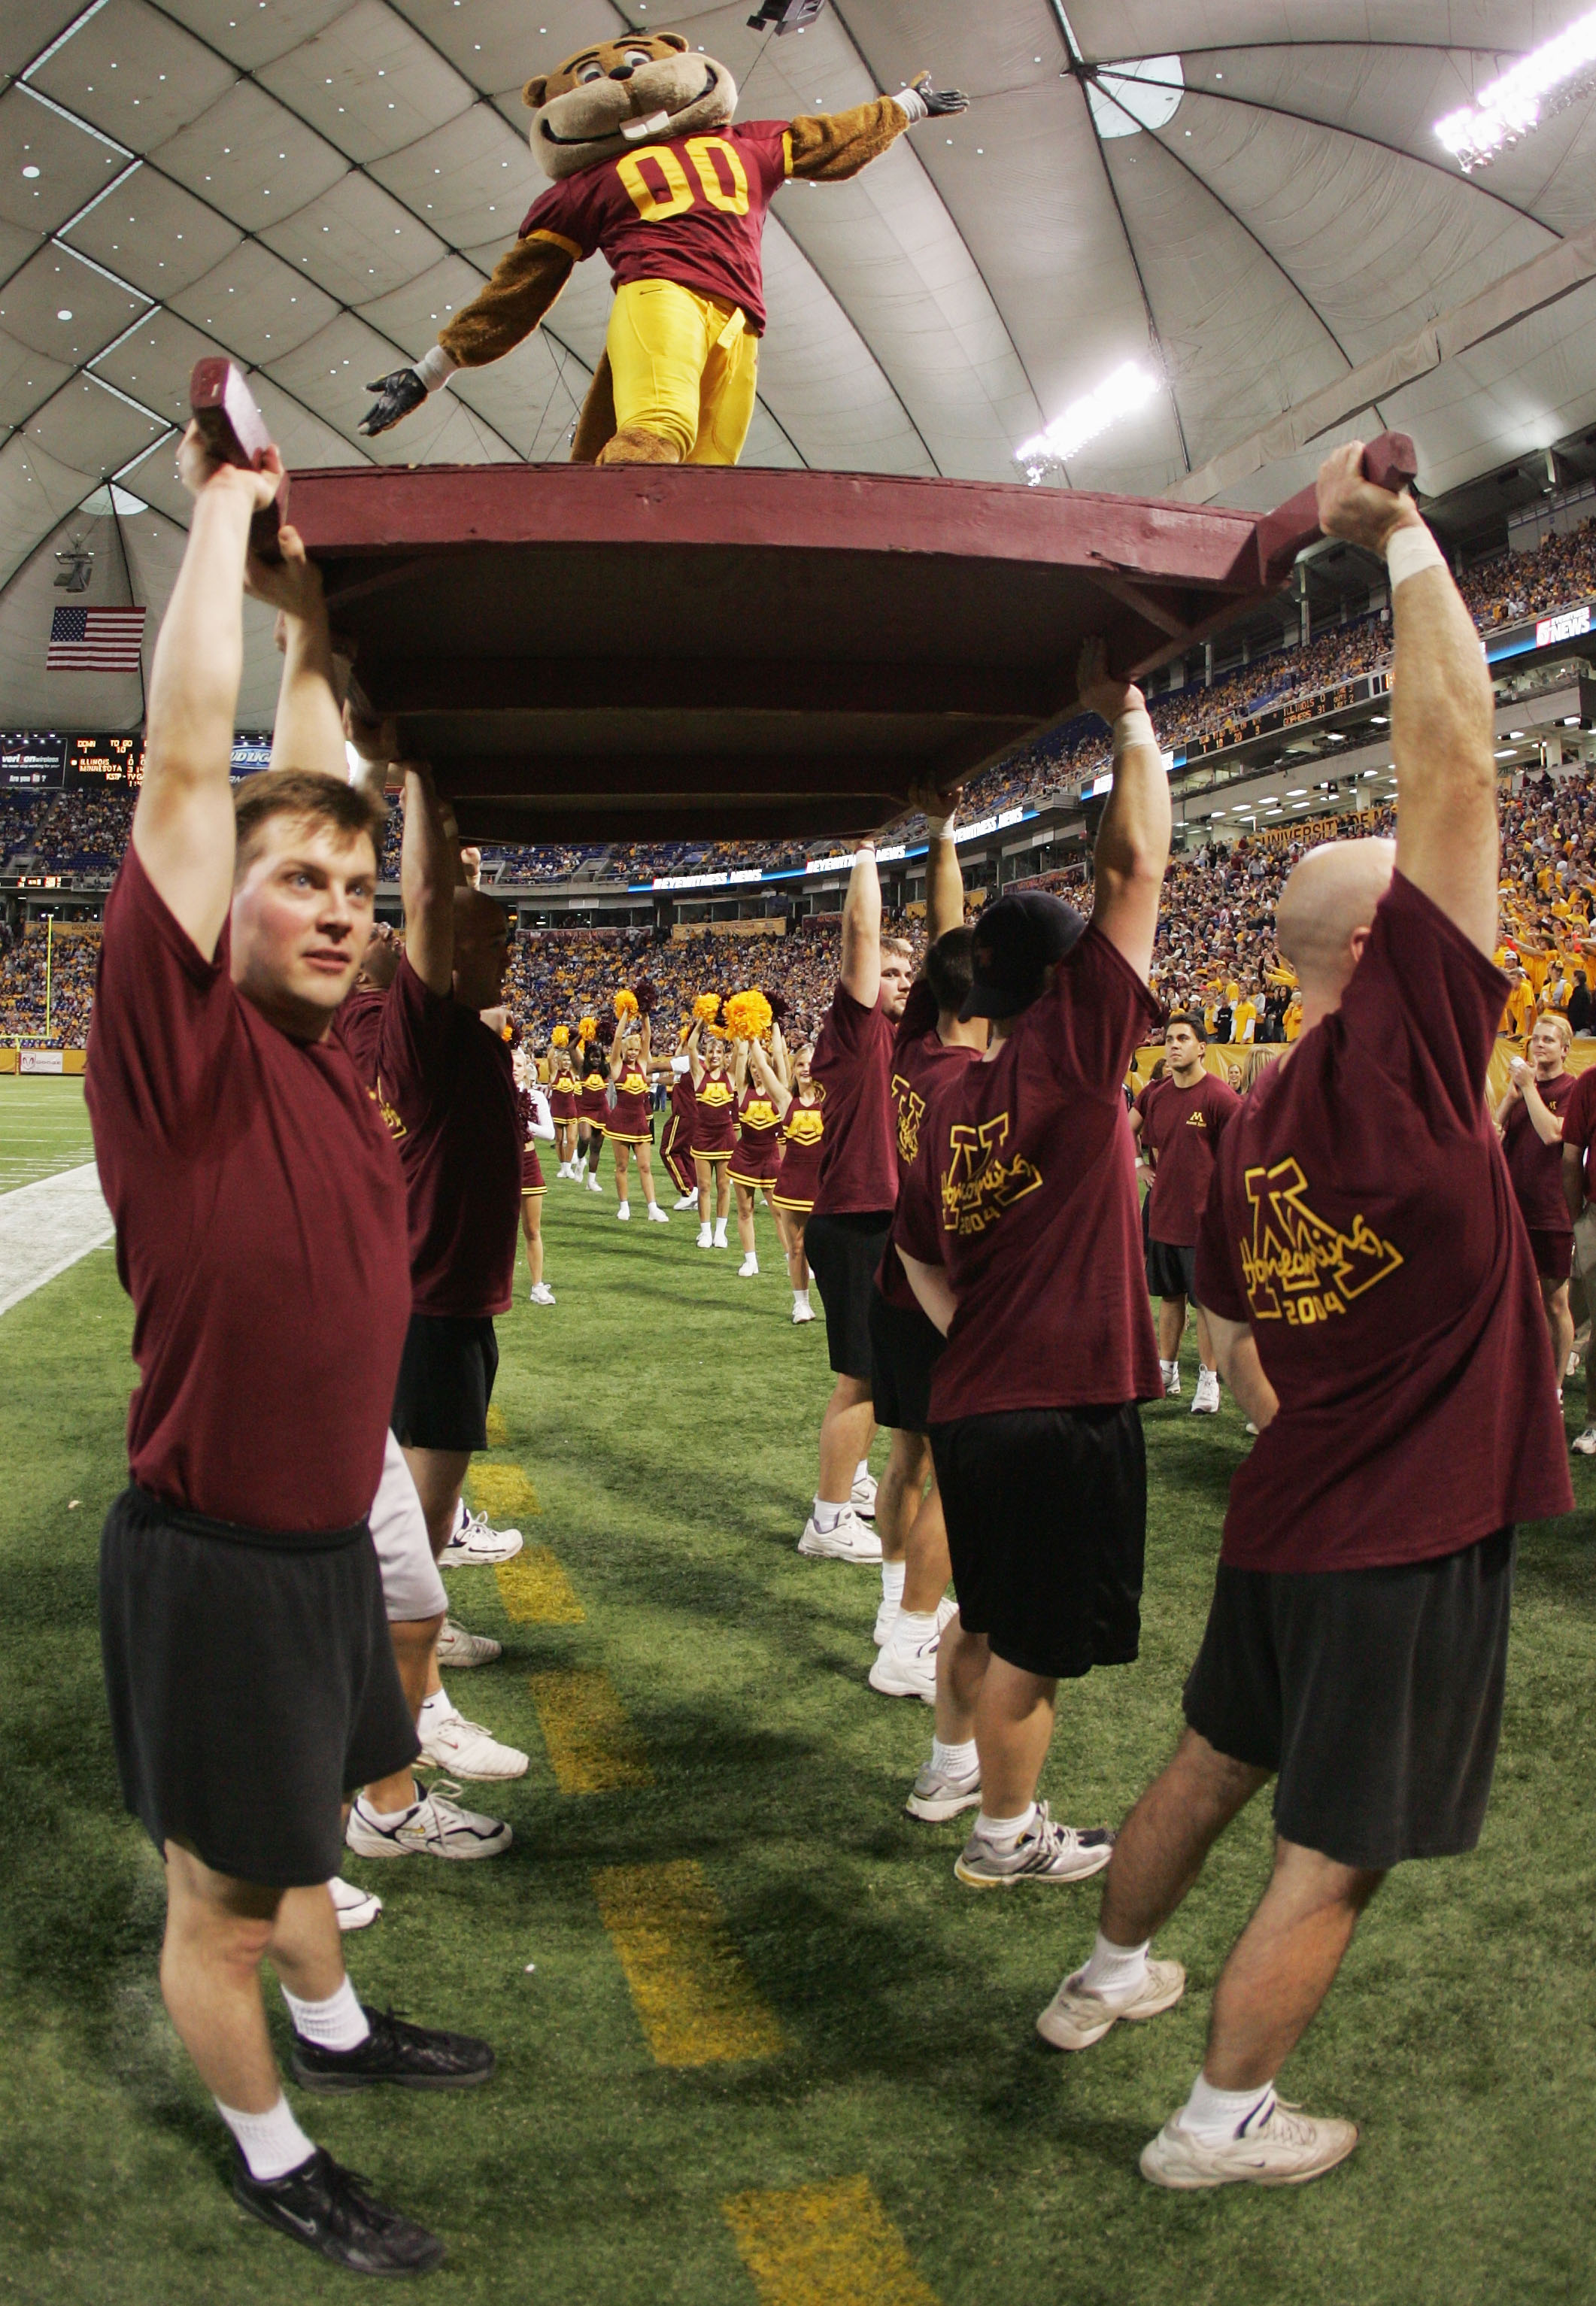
(627, 131)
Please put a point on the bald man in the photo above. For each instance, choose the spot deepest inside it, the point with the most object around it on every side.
(1373, 1300)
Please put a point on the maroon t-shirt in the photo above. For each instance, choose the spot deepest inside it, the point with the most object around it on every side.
(858, 1155)
(259, 1206)
(1536, 1168)
(1181, 1129)
(1025, 1191)
(921, 1062)
(446, 1084)
(1579, 1121)
(1362, 1221)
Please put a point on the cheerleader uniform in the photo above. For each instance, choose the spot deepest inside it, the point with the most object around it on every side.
(799, 1174)
(629, 1125)
(714, 1118)
(562, 1088)
(758, 1155)
(592, 1100)
(676, 1146)
(532, 1187)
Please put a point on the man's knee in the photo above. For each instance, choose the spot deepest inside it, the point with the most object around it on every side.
(851, 1393)
(1317, 1880)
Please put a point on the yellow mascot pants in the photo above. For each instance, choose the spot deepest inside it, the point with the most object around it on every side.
(684, 368)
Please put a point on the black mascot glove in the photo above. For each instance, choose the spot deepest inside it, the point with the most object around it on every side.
(939, 100)
(401, 390)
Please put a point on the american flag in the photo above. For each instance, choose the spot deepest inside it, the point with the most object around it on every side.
(95, 640)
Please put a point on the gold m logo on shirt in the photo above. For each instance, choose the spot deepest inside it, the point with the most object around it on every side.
(390, 1114)
(1194, 1119)
(1297, 1267)
(978, 1184)
(911, 1112)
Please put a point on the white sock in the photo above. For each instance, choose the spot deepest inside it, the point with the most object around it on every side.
(910, 1628)
(720, 1233)
(1003, 1832)
(892, 1581)
(800, 1297)
(1117, 1973)
(338, 2023)
(438, 1707)
(861, 1472)
(623, 1209)
(273, 2143)
(954, 1761)
(1216, 2114)
(826, 1514)
(1168, 1369)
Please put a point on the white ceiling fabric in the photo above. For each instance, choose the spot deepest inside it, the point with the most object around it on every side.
(314, 185)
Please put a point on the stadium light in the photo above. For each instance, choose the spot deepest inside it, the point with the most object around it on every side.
(1551, 76)
(1048, 452)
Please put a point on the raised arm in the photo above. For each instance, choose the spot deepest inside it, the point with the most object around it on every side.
(1133, 838)
(770, 1080)
(826, 147)
(526, 279)
(620, 1026)
(1443, 709)
(860, 973)
(695, 1052)
(944, 881)
(781, 1065)
(308, 732)
(427, 878)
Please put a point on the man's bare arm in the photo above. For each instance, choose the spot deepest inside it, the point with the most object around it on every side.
(944, 881)
(934, 1290)
(1573, 1180)
(860, 973)
(308, 732)
(1133, 837)
(428, 867)
(1443, 710)
(183, 826)
(1241, 1370)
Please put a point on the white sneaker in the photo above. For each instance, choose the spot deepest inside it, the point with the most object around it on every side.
(862, 1495)
(937, 1795)
(1171, 1379)
(705, 1238)
(1204, 1401)
(464, 1748)
(439, 1827)
(540, 1294)
(848, 1540)
(460, 1650)
(473, 1543)
(594, 1185)
(623, 1210)
(720, 1239)
(1585, 1442)
(749, 1268)
(802, 1311)
(1252, 1429)
(886, 1618)
(907, 1669)
(1287, 2150)
(687, 1202)
(1045, 1851)
(355, 1908)
(657, 1216)
(1077, 2017)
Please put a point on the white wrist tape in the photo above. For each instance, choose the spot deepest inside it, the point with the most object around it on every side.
(913, 104)
(435, 367)
(1134, 727)
(938, 827)
(1408, 550)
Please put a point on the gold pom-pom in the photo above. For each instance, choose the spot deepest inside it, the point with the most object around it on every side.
(707, 1007)
(625, 1005)
(718, 1033)
(589, 1029)
(560, 1039)
(747, 1015)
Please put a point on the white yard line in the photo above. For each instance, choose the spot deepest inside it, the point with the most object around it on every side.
(47, 1226)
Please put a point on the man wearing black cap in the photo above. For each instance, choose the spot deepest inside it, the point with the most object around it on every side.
(1021, 1235)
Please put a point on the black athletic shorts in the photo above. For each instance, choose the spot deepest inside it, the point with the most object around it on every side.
(904, 1349)
(1376, 1693)
(1046, 1515)
(1172, 1270)
(844, 1253)
(252, 1686)
(446, 1382)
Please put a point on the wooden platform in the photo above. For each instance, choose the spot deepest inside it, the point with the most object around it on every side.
(627, 653)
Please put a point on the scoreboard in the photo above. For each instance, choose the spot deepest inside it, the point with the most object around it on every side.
(35, 761)
(104, 764)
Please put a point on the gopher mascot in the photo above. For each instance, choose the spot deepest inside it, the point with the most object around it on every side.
(636, 135)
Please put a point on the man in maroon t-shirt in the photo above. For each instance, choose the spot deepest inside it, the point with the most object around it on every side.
(1578, 1139)
(248, 1666)
(1530, 1117)
(1373, 1299)
(847, 1232)
(932, 1041)
(1019, 1234)
(1179, 1122)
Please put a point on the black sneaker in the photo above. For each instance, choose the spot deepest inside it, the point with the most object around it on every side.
(416, 2057)
(326, 2207)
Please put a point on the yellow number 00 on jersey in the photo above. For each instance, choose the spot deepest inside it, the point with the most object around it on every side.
(654, 207)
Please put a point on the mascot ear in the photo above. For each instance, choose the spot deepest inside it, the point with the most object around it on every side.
(672, 40)
(534, 91)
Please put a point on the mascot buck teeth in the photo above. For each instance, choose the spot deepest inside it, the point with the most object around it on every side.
(646, 164)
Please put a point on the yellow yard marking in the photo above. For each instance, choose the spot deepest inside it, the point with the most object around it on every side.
(827, 2245)
(694, 1992)
(592, 1746)
(499, 1432)
(535, 1590)
(503, 1493)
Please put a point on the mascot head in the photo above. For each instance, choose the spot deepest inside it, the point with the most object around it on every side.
(642, 90)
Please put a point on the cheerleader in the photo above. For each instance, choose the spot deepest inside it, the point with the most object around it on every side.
(798, 1098)
(562, 1101)
(592, 1103)
(631, 1130)
(537, 1127)
(753, 1165)
(714, 1124)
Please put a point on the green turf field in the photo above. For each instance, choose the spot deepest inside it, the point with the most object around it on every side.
(664, 1413)
(44, 1127)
